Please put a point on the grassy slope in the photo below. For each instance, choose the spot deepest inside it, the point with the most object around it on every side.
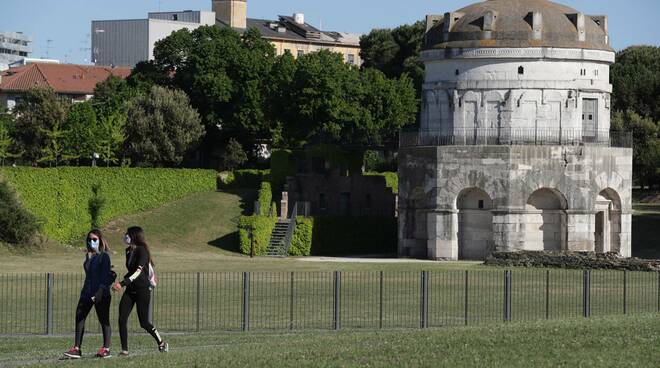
(597, 342)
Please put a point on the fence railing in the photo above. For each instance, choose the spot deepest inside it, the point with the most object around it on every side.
(514, 136)
(235, 301)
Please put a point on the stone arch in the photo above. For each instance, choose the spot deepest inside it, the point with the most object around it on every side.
(607, 227)
(475, 224)
(545, 220)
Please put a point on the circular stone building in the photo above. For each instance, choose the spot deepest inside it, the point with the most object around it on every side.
(514, 150)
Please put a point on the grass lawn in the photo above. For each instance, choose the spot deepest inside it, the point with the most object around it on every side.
(595, 342)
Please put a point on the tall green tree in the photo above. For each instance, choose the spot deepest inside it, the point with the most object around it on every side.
(161, 128)
(83, 131)
(55, 151)
(111, 96)
(38, 112)
(111, 137)
(636, 81)
(646, 145)
(6, 141)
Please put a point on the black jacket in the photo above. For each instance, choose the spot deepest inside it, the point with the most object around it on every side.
(136, 258)
(97, 276)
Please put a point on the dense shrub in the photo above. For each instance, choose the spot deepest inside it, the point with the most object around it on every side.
(391, 179)
(61, 196)
(234, 155)
(242, 179)
(301, 241)
(265, 197)
(17, 225)
(261, 228)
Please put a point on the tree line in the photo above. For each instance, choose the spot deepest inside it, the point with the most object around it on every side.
(211, 97)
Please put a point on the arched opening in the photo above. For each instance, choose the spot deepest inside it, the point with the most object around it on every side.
(545, 220)
(475, 224)
(608, 222)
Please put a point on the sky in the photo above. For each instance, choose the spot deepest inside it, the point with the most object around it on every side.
(60, 28)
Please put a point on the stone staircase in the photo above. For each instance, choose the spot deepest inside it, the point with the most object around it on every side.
(277, 246)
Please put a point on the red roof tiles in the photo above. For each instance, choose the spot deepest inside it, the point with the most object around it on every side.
(61, 78)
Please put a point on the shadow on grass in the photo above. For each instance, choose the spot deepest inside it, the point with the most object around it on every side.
(229, 242)
(247, 196)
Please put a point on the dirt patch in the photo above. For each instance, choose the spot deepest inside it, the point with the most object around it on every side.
(572, 260)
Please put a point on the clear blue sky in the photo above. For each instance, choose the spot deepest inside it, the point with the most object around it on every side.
(67, 22)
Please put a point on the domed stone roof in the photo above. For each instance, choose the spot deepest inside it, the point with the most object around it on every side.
(515, 24)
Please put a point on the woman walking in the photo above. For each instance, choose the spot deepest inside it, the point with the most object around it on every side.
(138, 289)
(95, 293)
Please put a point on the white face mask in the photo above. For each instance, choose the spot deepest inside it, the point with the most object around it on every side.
(94, 244)
(127, 239)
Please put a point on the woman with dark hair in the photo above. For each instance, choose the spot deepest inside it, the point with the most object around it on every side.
(95, 293)
(138, 289)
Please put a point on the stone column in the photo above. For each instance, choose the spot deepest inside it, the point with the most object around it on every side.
(581, 227)
(442, 228)
(284, 205)
(625, 236)
(508, 230)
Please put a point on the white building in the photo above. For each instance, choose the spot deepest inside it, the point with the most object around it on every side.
(128, 42)
(14, 46)
(515, 151)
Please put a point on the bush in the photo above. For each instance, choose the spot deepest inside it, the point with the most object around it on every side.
(17, 225)
(261, 227)
(242, 179)
(264, 197)
(234, 155)
(61, 196)
(95, 206)
(301, 241)
(391, 179)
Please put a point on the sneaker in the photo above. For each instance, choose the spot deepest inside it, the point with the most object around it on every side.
(123, 353)
(103, 353)
(73, 353)
(164, 347)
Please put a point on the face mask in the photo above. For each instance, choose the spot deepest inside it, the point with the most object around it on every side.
(127, 239)
(94, 244)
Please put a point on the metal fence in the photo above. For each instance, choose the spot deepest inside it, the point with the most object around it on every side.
(514, 136)
(190, 302)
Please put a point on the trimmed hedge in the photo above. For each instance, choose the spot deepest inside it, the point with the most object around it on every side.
(265, 198)
(301, 241)
(262, 228)
(60, 196)
(242, 179)
(342, 236)
(391, 179)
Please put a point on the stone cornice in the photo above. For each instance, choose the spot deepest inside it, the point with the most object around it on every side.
(519, 53)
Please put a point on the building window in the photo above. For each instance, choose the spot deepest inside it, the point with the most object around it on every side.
(301, 53)
(521, 70)
(351, 59)
(481, 204)
(175, 16)
(322, 202)
(287, 50)
(457, 72)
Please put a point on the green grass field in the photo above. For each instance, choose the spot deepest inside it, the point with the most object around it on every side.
(595, 342)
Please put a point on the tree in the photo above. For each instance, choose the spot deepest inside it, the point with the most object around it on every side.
(6, 141)
(37, 113)
(111, 96)
(17, 225)
(54, 152)
(234, 155)
(83, 131)
(111, 137)
(646, 145)
(636, 81)
(161, 128)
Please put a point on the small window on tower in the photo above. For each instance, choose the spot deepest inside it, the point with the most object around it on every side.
(457, 72)
(591, 117)
(481, 204)
(175, 16)
(521, 70)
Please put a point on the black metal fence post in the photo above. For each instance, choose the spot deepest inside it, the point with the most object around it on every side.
(547, 294)
(507, 296)
(380, 316)
(337, 302)
(199, 298)
(291, 302)
(246, 302)
(49, 303)
(625, 292)
(424, 301)
(586, 307)
(466, 298)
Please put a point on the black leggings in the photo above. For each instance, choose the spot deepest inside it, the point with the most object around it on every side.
(102, 312)
(143, 300)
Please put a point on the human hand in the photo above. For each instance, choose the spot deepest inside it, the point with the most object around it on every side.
(116, 286)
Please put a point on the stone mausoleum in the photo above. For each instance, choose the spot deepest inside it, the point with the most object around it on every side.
(514, 149)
